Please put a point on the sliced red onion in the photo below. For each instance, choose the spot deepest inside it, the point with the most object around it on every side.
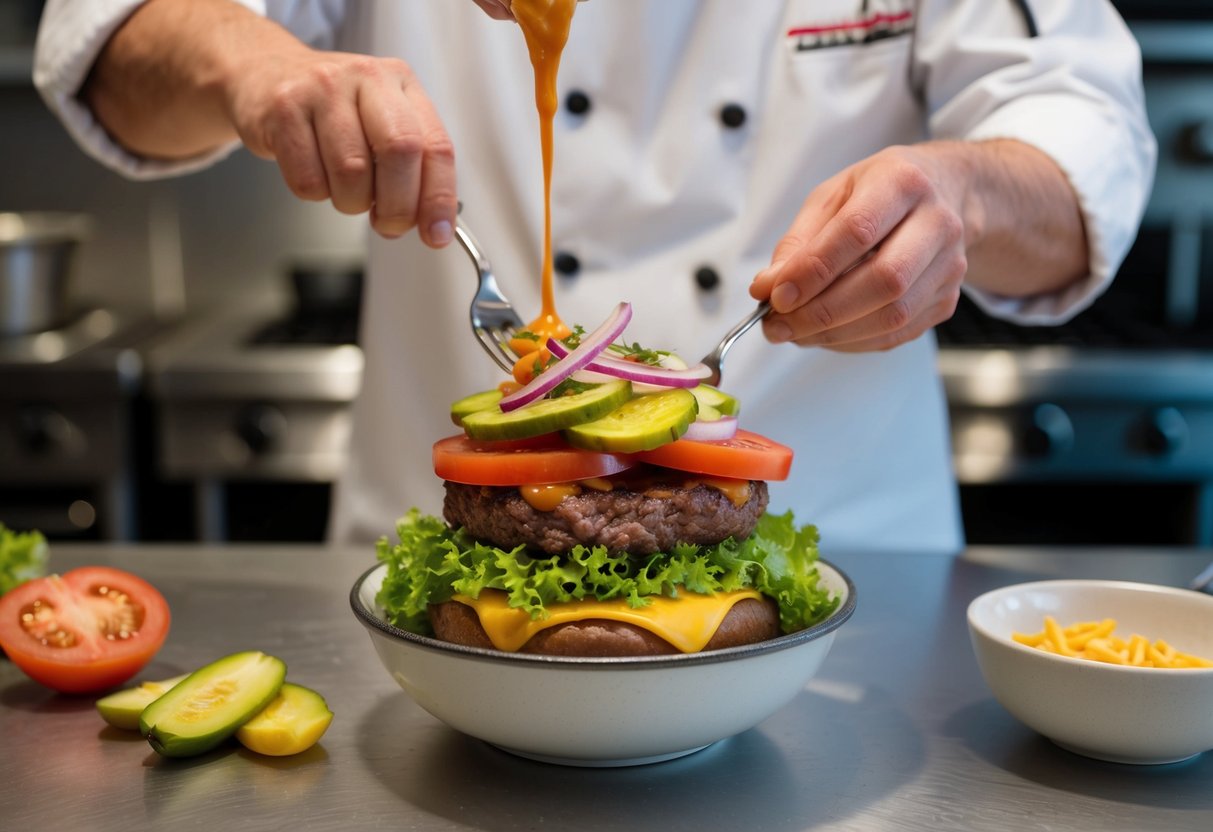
(571, 362)
(723, 428)
(636, 372)
(639, 388)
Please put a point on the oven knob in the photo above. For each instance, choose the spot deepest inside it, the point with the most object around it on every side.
(43, 430)
(1196, 142)
(261, 427)
(1165, 432)
(1049, 433)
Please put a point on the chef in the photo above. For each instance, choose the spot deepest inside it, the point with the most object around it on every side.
(857, 162)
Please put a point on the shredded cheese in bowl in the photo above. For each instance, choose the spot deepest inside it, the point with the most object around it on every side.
(1097, 641)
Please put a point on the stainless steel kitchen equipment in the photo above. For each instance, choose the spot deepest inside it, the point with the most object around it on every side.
(715, 359)
(1102, 429)
(37, 257)
(897, 731)
(65, 432)
(252, 409)
(494, 321)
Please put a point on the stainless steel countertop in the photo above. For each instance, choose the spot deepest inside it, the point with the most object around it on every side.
(897, 731)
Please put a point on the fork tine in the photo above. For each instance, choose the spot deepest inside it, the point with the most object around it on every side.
(504, 335)
(490, 340)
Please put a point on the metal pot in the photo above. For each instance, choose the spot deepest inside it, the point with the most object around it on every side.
(36, 262)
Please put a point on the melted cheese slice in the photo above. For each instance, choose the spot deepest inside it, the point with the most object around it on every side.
(687, 622)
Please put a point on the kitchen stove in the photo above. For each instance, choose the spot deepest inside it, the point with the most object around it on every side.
(259, 395)
(1115, 408)
(65, 445)
(1122, 404)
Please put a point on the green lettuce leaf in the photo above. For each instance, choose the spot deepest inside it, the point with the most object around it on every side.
(23, 556)
(433, 562)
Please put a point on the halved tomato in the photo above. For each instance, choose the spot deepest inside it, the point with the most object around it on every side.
(747, 456)
(86, 631)
(537, 461)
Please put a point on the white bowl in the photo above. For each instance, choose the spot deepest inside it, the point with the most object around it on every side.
(1110, 712)
(601, 711)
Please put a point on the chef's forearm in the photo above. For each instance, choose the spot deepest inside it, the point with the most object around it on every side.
(1025, 233)
(159, 85)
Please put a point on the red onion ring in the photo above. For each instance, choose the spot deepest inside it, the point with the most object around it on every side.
(636, 372)
(589, 349)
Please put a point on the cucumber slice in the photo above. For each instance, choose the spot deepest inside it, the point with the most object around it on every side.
(122, 709)
(548, 415)
(211, 703)
(473, 404)
(711, 397)
(292, 723)
(707, 413)
(643, 423)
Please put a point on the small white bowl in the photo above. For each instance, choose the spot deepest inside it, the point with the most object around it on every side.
(601, 711)
(1111, 712)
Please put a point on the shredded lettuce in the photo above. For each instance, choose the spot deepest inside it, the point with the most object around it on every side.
(23, 556)
(433, 562)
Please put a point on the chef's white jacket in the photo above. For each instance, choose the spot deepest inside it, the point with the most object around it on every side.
(651, 185)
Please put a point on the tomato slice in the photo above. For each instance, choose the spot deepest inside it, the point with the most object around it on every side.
(537, 461)
(86, 631)
(746, 456)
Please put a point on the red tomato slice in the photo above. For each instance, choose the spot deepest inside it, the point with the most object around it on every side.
(83, 632)
(747, 456)
(544, 459)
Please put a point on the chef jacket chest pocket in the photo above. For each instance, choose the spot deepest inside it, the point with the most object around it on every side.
(844, 76)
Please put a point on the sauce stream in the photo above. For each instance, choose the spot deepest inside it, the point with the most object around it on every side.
(545, 25)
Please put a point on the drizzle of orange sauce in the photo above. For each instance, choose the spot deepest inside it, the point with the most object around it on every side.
(545, 25)
(547, 497)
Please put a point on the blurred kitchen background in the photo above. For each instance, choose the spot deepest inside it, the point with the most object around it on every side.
(151, 406)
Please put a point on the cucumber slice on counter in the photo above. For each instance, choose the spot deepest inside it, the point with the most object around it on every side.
(548, 415)
(122, 709)
(290, 724)
(209, 705)
(474, 404)
(641, 424)
(718, 400)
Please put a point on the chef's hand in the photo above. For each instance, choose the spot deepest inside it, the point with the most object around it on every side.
(496, 9)
(877, 254)
(356, 130)
(181, 78)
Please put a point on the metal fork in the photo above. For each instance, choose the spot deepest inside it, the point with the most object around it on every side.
(1204, 581)
(715, 359)
(495, 322)
(493, 317)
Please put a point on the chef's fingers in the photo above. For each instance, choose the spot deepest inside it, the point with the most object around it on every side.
(822, 204)
(881, 195)
(884, 280)
(397, 141)
(931, 300)
(496, 9)
(437, 200)
(289, 138)
(404, 135)
(348, 167)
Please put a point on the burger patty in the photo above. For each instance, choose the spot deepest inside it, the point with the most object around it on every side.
(638, 522)
(750, 620)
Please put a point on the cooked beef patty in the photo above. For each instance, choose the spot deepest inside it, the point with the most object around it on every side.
(650, 519)
(750, 620)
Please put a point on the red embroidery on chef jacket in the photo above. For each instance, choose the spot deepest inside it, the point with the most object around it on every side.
(876, 20)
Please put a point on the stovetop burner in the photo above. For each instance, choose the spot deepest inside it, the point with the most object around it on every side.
(1094, 328)
(308, 329)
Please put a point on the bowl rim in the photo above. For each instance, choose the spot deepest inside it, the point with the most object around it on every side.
(977, 627)
(371, 621)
